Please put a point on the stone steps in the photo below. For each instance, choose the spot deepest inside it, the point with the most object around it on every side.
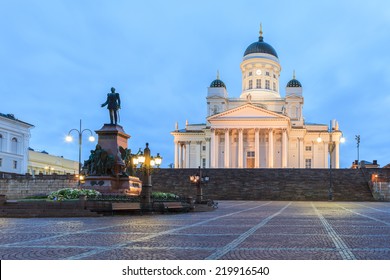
(268, 184)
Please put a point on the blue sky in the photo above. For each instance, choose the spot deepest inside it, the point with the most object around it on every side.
(60, 58)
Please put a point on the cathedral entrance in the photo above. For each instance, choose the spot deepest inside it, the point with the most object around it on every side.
(250, 159)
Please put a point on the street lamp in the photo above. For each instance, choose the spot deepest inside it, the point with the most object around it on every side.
(331, 147)
(198, 180)
(146, 164)
(80, 132)
(357, 138)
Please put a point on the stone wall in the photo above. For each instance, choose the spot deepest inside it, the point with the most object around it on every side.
(18, 186)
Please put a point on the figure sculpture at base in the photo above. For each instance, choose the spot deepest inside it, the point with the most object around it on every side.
(113, 103)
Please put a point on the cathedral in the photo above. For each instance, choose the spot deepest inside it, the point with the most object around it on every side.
(260, 128)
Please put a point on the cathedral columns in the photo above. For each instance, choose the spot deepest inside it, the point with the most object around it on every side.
(270, 148)
(326, 155)
(187, 156)
(240, 148)
(177, 154)
(336, 155)
(284, 148)
(301, 162)
(257, 148)
(227, 149)
(208, 154)
(214, 148)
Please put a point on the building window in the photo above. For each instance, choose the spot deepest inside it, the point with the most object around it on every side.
(15, 164)
(308, 148)
(1, 142)
(274, 76)
(203, 162)
(14, 145)
(250, 74)
(250, 84)
(267, 84)
(308, 163)
(203, 148)
(1, 162)
(250, 154)
(267, 73)
(274, 86)
(258, 83)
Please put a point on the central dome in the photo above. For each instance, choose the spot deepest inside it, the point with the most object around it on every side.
(260, 47)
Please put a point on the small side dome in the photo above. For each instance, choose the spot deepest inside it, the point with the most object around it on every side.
(294, 82)
(217, 82)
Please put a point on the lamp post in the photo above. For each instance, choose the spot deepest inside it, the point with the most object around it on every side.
(146, 164)
(331, 147)
(198, 180)
(80, 132)
(357, 138)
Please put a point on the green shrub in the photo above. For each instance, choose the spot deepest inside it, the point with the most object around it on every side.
(69, 193)
(164, 196)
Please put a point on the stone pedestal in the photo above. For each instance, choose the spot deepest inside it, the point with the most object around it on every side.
(114, 185)
(110, 138)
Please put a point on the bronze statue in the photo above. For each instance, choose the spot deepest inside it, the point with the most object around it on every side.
(100, 163)
(113, 103)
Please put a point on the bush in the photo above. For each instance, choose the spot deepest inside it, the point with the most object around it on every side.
(164, 196)
(69, 193)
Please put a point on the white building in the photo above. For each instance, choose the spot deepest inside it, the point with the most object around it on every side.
(44, 163)
(14, 143)
(260, 128)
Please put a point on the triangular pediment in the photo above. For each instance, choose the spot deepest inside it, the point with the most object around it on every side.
(247, 112)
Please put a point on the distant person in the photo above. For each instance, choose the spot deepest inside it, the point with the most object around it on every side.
(113, 103)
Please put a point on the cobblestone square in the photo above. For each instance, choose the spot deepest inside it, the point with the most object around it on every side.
(237, 230)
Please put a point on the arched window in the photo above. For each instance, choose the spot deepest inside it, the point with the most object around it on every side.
(14, 145)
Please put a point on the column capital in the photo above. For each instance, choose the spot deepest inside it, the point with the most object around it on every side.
(198, 142)
(208, 139)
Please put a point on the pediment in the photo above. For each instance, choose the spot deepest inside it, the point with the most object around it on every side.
(247, 112)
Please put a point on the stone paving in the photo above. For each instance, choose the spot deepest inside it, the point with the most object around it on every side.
(236, 230)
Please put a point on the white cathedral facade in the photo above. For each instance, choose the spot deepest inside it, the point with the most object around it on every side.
(260, 129)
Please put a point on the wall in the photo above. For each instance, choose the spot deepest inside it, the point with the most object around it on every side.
(16, 187)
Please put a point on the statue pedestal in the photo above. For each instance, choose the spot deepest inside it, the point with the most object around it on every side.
(114, 185)
(110, 138)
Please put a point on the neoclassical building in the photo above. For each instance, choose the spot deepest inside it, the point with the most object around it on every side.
(260, 128)
(14, 142)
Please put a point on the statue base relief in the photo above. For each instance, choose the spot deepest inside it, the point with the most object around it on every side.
(114, 185)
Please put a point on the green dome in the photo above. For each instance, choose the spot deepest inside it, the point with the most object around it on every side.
(217, 83)
(294, 83)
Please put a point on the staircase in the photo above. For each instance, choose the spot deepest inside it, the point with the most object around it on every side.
(268, 184)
